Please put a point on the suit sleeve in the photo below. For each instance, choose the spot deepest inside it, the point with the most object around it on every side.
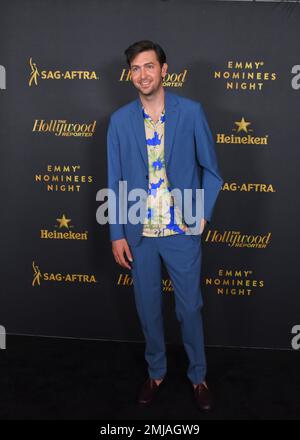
(114, 177)
(207, 159)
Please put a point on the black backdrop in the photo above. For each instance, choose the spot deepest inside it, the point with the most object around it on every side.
(241, 60)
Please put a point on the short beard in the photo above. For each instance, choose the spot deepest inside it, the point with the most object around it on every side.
(151, 92)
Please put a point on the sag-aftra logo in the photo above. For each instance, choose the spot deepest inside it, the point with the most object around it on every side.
(36, 75)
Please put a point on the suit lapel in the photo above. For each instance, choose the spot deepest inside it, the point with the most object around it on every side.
(172, 114)
(138, 128)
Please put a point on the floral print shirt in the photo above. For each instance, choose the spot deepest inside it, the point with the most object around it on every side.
(162, 217)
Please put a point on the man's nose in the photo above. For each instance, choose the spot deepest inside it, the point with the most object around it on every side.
(143, 73)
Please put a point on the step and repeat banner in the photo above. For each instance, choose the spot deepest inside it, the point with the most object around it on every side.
(62, 74)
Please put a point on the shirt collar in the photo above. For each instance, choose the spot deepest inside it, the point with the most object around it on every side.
(162, 117)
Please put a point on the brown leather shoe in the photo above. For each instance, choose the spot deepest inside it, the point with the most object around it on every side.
(148, 391)
(203, 397)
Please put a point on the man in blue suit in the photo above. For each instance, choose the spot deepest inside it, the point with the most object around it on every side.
(161, 147)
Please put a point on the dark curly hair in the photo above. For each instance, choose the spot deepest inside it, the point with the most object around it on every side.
(142, 46)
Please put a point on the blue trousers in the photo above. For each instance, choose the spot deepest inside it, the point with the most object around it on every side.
(181, 255)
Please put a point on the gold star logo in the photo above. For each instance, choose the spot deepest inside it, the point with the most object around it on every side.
(242, 125)
(63, 222)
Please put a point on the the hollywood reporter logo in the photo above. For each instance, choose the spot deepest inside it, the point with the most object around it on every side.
(2, 338)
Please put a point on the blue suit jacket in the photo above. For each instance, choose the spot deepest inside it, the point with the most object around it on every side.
(190, 156)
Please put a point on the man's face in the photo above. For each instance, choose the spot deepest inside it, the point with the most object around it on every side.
(147, 73)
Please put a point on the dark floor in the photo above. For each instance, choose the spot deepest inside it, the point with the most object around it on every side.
(49, 378)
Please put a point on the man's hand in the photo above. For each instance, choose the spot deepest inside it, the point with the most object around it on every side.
(202, 225)
(119, 248)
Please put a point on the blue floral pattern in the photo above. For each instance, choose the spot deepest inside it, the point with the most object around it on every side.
(162, 217)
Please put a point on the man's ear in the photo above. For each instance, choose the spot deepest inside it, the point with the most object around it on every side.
(164, 70)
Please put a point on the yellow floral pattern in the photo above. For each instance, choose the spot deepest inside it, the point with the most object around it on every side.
(162, 219)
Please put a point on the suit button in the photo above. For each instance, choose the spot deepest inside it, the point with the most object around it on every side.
(147, 176)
